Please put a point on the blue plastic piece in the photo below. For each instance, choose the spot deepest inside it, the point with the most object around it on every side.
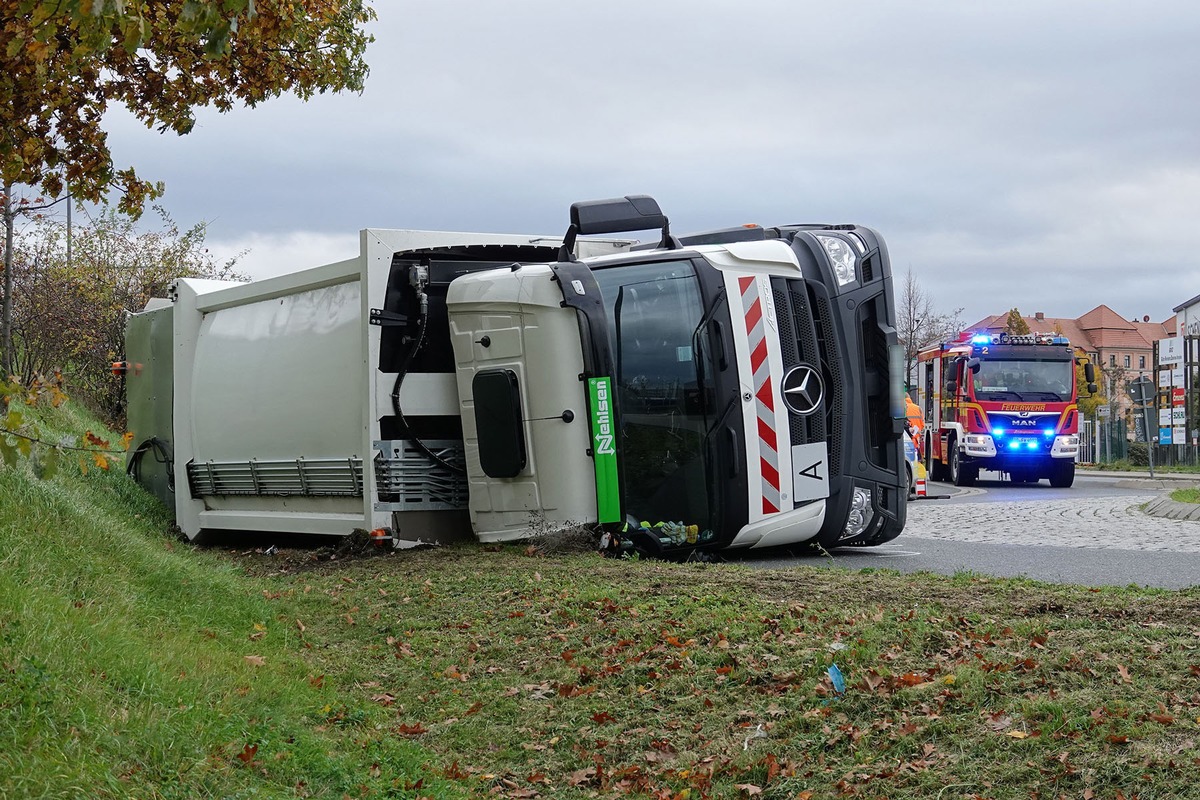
(835, 676)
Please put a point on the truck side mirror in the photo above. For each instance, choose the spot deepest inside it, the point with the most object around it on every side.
(973, 365)
(1089, 374)
(1091, 387)
(951, 387)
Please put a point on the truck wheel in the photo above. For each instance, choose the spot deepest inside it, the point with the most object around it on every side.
(960, 473)
(935, 470)
(1063, 475)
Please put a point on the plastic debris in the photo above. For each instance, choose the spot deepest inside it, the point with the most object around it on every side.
(272, 550)
(835, 677)
(759, 733)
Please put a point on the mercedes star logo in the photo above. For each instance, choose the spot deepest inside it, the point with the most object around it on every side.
(803, 389)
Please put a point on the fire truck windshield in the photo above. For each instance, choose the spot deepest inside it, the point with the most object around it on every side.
(1023, 380)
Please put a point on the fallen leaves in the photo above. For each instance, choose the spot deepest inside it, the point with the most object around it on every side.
(256, 661)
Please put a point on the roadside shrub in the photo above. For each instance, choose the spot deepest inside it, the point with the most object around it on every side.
(1139, 454)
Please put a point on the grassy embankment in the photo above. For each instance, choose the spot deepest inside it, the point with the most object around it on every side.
(132, 665)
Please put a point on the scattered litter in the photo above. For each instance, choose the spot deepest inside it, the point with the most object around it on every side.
(759, 733)
(835, 647)
(835, 676)
(270, 551)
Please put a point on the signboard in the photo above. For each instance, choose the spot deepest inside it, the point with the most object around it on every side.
(1180, 435)
(1170, 352)
(1164, 435)
(1164, 416)
(1171, 377)
(1178, 416)
(604, 452)
(1141, 390)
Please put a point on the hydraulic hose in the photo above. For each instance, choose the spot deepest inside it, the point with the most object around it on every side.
(408, 359)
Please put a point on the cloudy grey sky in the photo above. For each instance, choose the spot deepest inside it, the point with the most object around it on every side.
(1043, 155)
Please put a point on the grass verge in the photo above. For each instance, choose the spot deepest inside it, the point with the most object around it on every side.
(132, 665)
(1191, 495)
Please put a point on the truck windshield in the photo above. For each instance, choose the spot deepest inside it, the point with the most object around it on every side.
(654, 312)
(1024, 380)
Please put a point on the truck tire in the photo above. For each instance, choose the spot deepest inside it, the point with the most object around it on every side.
(935, 470)
(1063, 475)
(960, 473)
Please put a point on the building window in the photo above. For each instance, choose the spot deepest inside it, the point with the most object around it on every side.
(1112, 359)
(1127, 364)
(1141, 362)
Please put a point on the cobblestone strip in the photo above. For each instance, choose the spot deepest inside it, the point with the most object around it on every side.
(1113, 522)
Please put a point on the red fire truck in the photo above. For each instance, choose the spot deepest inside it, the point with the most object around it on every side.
(1001, 402)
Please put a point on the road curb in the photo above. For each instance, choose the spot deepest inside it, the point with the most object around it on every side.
(1172, 509)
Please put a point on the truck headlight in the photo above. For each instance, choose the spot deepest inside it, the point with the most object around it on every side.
(860, 513)
(842, 256)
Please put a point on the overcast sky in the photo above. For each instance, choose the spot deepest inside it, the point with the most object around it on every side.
(1041, 155)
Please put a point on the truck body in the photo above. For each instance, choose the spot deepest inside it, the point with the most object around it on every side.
(738, 388)
(1000, 402)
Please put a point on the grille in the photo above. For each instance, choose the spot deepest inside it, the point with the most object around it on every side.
(406, 479)
(330, 477)
(835, 408)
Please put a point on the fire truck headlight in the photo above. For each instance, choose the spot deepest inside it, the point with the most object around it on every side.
(1065, 446)
(979, 444)
(842, 256)
(860, 513)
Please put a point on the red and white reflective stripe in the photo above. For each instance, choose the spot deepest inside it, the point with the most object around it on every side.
(764, 396)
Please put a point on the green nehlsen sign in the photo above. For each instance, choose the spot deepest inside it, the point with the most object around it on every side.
(604, 450)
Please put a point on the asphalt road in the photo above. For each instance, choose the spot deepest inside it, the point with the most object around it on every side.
(1093, 533)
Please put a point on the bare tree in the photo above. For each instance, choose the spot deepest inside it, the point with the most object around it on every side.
(920, 323)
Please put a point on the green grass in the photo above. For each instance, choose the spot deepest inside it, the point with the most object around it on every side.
(475, 672)
(1190, 495)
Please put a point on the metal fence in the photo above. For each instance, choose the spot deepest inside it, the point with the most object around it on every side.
(1103, 442)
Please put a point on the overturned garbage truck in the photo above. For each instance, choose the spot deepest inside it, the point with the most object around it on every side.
(729, 389)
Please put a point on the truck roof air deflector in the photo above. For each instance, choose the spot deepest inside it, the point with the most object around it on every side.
(633, 212)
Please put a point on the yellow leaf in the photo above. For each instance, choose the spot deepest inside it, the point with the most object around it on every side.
(257, 661)
(1018, 734)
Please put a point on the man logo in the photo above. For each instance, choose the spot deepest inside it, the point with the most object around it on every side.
(803, 390)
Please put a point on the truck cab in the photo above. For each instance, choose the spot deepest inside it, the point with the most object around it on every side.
(707, 391)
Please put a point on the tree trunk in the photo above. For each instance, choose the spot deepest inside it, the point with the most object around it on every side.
(6, 360)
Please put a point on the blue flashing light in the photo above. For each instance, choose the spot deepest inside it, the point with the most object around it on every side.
(981, 339)
(1013, 445)
(1048, 432)
(998, 432)
(1032, 445)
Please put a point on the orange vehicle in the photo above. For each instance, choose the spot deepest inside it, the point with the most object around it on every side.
(1001, 402)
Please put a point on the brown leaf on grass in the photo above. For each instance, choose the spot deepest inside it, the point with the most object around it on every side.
(247, 754)
(316, 681)
(1124, 673)
(257, 661)
(300, 626)
(603, 718)
(384, 699)
(414, 730)
(474, 709)
(749, 789)
(1115, 739)
(582, 777)
(455, 773)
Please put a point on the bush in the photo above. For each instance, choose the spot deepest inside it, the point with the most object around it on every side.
(1139, 454)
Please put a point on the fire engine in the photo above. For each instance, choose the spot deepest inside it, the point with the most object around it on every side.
(1001, 402)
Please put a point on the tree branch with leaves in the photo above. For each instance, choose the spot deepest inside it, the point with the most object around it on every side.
(66, 61)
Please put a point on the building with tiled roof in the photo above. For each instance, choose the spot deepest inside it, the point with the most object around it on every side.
(1121, 347)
